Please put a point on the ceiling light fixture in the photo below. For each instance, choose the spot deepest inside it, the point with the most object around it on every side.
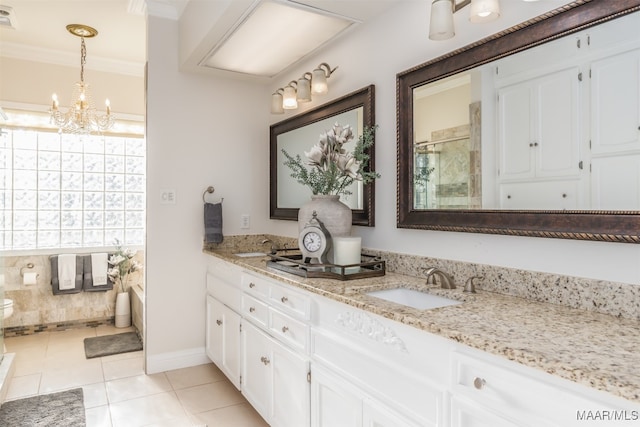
(311, 83)
(81, 117)
(441, 23)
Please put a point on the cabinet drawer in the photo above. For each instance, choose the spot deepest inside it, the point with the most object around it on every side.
(224, 291)
(519, 394)
(291, 302)
(289, 330)
(256, 286)
(255, 310)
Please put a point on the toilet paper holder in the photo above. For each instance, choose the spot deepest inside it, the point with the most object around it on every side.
(29, 265)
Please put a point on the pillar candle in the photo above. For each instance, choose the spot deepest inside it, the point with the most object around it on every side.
(347, 250)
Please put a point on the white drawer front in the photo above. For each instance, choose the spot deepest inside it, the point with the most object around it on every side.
(289, 330)
(291, 302)
(255, 310)
(224, 292)
(256, 286)
(520, 395)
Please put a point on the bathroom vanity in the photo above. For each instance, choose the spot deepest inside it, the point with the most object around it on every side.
(323, 353)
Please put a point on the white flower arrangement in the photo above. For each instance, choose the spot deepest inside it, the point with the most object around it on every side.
(333, 169)
(122, 263)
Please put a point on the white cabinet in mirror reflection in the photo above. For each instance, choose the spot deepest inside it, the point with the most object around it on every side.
(568, 133)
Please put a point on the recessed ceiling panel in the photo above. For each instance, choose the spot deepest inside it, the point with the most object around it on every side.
(273, 36)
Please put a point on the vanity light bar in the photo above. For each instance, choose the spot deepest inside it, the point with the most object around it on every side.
(301, 90)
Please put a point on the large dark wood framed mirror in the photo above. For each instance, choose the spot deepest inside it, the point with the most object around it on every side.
(493, 197)
(299, 133)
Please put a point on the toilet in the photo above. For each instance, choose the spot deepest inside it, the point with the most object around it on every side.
(7, 308)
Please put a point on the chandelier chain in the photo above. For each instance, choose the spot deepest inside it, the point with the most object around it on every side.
(83, 59)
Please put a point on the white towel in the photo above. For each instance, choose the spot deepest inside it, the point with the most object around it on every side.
(67, 271)
(99, 269)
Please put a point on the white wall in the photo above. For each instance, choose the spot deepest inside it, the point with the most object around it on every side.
(374, 54)
(200, 132)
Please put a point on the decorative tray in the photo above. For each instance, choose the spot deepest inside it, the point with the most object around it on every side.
(369, 266)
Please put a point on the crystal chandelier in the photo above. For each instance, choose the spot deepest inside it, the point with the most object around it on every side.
(81, 117)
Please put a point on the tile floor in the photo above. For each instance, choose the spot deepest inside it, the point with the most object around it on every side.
(117, 393)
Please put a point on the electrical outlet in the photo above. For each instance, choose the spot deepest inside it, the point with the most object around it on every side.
(168, 197)
(245, 221)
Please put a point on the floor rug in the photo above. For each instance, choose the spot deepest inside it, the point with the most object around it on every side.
(63, 409)
(107, 345)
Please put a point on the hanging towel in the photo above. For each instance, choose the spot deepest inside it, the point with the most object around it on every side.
(213, 222)
(88, 284)
(67, 271)
(99, 268)
(55, 282)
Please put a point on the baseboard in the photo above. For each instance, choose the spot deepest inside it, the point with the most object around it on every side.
(176, 360)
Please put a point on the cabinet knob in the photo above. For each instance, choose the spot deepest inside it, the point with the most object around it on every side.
(508, 196)
(564, 195)
(265, 360)
(252, 285)
(479, 383)
(252, 309)
(219, 322)
(284, 299)
(285, 329)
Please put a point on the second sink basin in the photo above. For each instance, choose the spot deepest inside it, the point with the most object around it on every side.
(415, 299)
(249, 254)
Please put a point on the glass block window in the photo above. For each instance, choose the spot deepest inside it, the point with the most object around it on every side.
(70, 191)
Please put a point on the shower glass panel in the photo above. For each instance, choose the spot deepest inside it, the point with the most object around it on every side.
(443, 175)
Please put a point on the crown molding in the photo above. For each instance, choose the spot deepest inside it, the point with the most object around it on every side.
(67, 59)
(168, 9)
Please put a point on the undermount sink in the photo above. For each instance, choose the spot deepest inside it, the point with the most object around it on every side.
(415, 299)
(249, 254)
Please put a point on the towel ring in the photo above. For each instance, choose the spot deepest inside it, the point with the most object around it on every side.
(209, 190)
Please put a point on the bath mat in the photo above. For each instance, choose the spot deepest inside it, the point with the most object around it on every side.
(63, 409)
(111, 344)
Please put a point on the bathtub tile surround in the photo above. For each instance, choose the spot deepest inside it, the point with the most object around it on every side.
(36, 309)
(612, 298)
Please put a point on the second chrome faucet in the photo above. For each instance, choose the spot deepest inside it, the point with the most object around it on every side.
(435, 276)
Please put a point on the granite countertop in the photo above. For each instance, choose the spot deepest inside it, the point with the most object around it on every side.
(593, 349)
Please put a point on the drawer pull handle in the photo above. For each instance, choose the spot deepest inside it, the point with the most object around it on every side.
(284, 299)
(252, 309)
(219, 322)
(265, 360)
(252, 285)
(479, 383)
(285, 329)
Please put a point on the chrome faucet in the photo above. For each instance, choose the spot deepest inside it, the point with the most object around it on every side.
(274, 248)
(436, 276)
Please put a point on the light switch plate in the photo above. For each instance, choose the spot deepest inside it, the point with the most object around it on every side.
(168, 197)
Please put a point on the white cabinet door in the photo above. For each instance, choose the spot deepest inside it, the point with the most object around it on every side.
(291, 390)
(615, 103)
(538, 127)
(334, 402)
(467, 414)
(375, 414)
(223, 339)
(256, 369)
(515, 131)
(274, 379)
(557, 124)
